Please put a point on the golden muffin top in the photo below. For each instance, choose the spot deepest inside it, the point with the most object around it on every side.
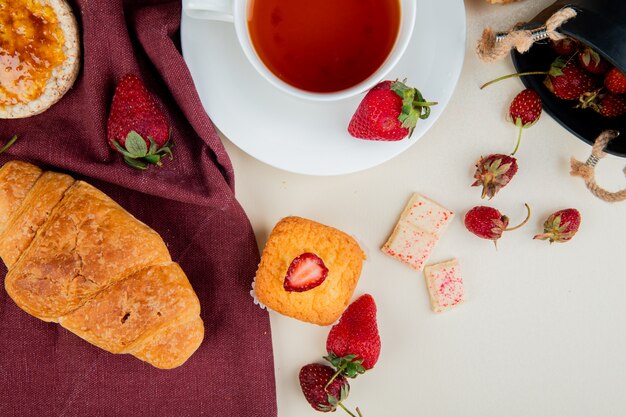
(31, 46)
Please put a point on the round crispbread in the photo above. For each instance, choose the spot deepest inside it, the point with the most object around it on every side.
(63, 76)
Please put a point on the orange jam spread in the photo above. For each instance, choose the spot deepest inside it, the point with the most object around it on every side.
(31, 46)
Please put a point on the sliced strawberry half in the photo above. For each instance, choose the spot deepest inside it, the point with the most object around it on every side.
(306, 272)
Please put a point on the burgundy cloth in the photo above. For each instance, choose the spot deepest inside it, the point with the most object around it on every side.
(46, 370)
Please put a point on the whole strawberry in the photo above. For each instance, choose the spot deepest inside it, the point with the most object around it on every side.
(592, 62)
(561, 226)
(137, 128)
(612, 105)
(489, 223)
(322, 395)
(389, 112)
(494, 172)
(568, 81)
(524, 111)
(566, 46)
(353, 344)
(615, 81)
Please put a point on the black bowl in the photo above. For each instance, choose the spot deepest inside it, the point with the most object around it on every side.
(601, 24)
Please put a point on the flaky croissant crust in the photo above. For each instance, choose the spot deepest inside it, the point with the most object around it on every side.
(77, 258)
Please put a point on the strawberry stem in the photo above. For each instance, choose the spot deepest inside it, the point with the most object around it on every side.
(348, 411)
(522, 223)
(425, 103)
(517, 74)
(8, 144)
(340, 369)
(518, 122)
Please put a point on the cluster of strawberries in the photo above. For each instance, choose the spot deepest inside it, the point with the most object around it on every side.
(353, 346)
(589, 78)
(574, 75)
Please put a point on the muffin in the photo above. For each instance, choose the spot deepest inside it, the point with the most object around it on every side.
(308, 271)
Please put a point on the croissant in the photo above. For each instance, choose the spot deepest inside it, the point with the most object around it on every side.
(75, 257)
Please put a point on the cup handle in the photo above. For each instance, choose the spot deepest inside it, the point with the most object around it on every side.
(221, 10)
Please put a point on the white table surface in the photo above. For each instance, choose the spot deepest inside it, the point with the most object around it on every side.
(543, 329)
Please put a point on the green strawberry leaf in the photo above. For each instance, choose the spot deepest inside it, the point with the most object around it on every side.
(345, 391)
(121, 149)
(325, 408)
(167, 150)
(595, 56)
(153, 146)
(348, 365)
(414, 107)
(586, 58)
(136, 145)
(153, 159)
(555, 72)
(556, 69)
(135, 163)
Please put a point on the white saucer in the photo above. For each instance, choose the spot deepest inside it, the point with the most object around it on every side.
(311, 137)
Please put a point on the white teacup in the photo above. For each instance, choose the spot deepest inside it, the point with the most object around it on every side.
(236, 11)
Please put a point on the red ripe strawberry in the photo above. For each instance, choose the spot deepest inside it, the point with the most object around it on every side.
(322, 395)
(494, 172)
(137, 128)
(568, 81)
(307, 271)
(353, 344)
(612, 105)
(592, 62)
(561, 226)
(389, 112)
(565, 46)
(489, 223)
(524, 111)
(615, 81)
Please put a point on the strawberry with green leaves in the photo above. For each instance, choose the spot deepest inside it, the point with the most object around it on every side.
(494, 172)
(612, 105)
(324, 390)
(568, 81)
(524, 111)
(353, 344)
(137, 127)
(565, 46)
(560, 226)
(592, 62)
(488, 223)
(604, 103)
(389, 112)
(565, 79)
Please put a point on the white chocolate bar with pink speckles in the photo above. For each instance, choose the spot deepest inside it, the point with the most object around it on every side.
(426, 214)
(417, 232)
(445, 285)
(411, 245)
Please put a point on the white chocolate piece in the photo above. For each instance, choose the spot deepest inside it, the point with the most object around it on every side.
(410, 244)
(445, 285)
(424, 213)
(421, 224)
